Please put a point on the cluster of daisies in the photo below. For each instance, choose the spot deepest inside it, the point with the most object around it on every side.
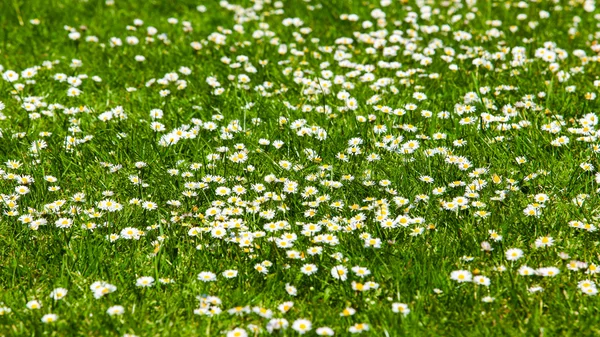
(340, 145)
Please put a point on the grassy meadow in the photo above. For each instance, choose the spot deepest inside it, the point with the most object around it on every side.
(299, 167)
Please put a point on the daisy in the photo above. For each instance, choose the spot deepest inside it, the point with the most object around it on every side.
(230, 273)
(285, 306)
(514, 254)
(145, 281)
(58, 294)
(115, 310)
(481, 280)
(309, 269)
(548, 271)
(339, 273)
(207, 276)
(49, 318)
(302, 326)
(544, 241)
(487, 299)
(461, 276)
(400, 308)
(358, 328)
(325, 331)
(291, 290)
(237, 332)
(33, 305)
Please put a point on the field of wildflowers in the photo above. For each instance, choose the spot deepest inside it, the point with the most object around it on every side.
(299, 167)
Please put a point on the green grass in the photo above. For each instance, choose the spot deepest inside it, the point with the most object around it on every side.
(410, 267)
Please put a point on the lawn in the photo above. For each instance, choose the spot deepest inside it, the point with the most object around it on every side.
(315, 167)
